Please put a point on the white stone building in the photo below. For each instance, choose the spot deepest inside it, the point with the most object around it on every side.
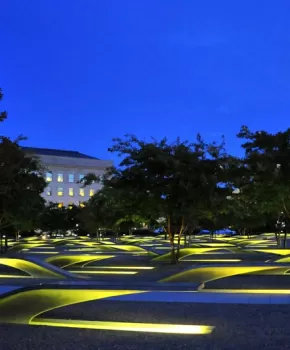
(64, 170)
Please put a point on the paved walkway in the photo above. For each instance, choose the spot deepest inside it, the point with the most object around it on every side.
(204, 297)
(179, 296)
(8, 289)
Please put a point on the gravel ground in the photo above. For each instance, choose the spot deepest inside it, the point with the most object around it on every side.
(155, 275)
(237, 327)
(251, 282)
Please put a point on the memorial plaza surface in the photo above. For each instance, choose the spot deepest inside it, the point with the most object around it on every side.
(82, 293)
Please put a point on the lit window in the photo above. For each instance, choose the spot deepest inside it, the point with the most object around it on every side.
(60, 177)
(82, 192)
(48, 191)
(82, 204)
(71, 191)
(92, 192)
(71, 178)
(60, 191)
(60, 205)
(48, 177)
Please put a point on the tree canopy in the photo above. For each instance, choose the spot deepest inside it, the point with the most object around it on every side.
(179, 185)
(21, 184)
(178, 181)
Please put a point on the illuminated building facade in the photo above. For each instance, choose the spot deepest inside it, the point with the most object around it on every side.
(64, 170)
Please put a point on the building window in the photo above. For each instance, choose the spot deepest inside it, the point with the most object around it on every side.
(48, 177)
(82, 192)
(82, 204)
(92, 192)
(81, 177)
(60, 177)
(71, 177)
(60, 205)
(60, 191)
(48, 191)
(71, 192)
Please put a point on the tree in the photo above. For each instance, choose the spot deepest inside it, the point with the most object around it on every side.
(178, 181)
(60, 219)
(21, 183)
(242, 212)
(3, 115)
(27, 217)
(108, 209)
(267, 161)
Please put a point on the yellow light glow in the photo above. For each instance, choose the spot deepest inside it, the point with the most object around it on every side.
(30, 268)
(220, 245)
(274, 251)
(283, 260)
(151, 244)
(210, 273)
(48, 177)
(129, 248)
(33, 303)
(94, 272)
(14, 276)
(163, 248)
(185, 252)
(21, 246)
(59, 177)
(92, 250)
(224, 238)
(80, 243)
(64, 261)
(44, 247)
(125, 326)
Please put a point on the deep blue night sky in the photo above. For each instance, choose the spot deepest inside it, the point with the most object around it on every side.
(77, 73)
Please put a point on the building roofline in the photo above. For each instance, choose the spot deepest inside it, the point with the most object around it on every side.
(57, 153)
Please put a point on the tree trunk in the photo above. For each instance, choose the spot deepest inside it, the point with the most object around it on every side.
(277, 236)
(285, 240)
(173, 253)
(17, 236)
(181, 231)
(178, 247)
(171, 239)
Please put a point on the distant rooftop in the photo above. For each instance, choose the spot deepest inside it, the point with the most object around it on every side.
(56, 152)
